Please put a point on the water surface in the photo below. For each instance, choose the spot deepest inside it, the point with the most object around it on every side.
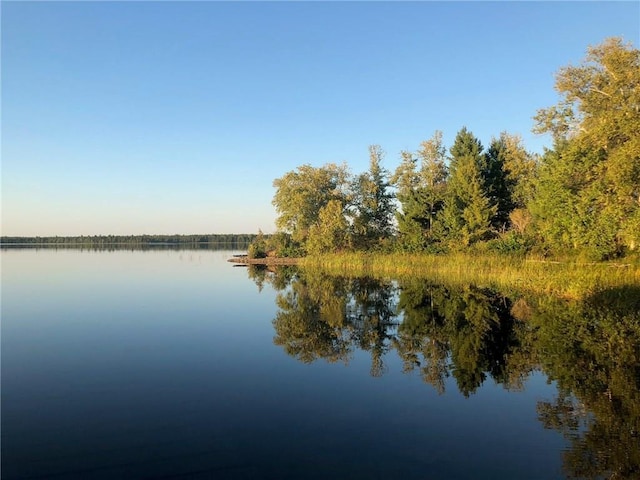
(175, 364)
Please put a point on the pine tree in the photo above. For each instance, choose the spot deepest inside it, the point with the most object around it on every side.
(496, 183)
(411, 218)
(468, 212)
(421, 191)
(433, 176)
(372, 202)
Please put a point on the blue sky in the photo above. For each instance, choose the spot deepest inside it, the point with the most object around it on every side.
(169, 117)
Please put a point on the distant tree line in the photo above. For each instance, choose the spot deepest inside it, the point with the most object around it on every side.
(239, 241)
(580, 196)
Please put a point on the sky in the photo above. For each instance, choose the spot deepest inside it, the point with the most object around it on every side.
(175, 117)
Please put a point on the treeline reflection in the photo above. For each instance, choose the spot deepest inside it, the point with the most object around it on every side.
(591, 349)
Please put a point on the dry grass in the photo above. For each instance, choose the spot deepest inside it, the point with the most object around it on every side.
(525, 275)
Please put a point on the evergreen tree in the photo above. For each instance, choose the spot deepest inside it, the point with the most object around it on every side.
(412, 220)
(433, 178)
(421, 191)
(496, 184)
(520, 169)
(372, 202)
(468, 212)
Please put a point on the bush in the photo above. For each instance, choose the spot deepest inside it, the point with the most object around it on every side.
(258, 248)
(511, 243)
(284, 246)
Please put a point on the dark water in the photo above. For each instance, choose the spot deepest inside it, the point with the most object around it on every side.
(175, 364)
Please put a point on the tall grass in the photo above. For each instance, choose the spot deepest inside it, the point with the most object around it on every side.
(567, 279)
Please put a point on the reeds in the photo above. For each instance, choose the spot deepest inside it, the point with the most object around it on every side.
(530, 275)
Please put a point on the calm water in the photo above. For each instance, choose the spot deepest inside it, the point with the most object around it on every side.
(175, 364)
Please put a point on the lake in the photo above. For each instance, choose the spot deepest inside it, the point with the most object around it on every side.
(177, 364)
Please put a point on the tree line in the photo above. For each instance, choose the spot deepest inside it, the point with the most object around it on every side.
(581, 195)
(136, 241)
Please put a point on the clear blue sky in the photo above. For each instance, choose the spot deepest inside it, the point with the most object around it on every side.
(163, 117)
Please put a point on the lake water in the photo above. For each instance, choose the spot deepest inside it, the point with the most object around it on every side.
(176, 364)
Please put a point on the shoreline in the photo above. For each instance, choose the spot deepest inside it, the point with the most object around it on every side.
(264, 261)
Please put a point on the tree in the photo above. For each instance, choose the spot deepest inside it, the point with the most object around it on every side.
(372, 202)
(258, 248)
(330, 233)
(412, 219)
(433, 178)
(496, 183)
(520, 169)
(468, 211)
(560, 218)
(421, 191)
(301, 195)
(596, 127)
(510, 171)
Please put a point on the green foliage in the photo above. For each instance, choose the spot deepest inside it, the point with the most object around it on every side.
(371, 200)
(595, 169)
(571, 209)
(520, 168)
(496, 184)
(283, 245)
(413, 222)
(509, 175)
(421, 192)
(258, 248)
(511, 243)
(301, 195)
(468, 211)
(582, 197)
(329, 234)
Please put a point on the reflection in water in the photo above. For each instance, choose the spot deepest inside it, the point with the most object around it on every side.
(590, 349)
(468, 334)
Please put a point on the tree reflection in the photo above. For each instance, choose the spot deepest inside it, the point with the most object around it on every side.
(371, 314)
(327, 317)
(468, 333)
(590, 349)
(310, 323)
(279, 277)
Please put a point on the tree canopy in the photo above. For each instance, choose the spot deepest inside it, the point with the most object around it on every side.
(595, 165)
(301, 195)
(582, 195)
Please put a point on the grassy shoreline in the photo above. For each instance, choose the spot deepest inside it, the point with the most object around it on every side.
(526, 275)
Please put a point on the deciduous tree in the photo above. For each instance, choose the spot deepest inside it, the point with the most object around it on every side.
(596, 127)
(301, 195)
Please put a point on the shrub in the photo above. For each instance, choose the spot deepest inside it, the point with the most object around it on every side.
(511, 243)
